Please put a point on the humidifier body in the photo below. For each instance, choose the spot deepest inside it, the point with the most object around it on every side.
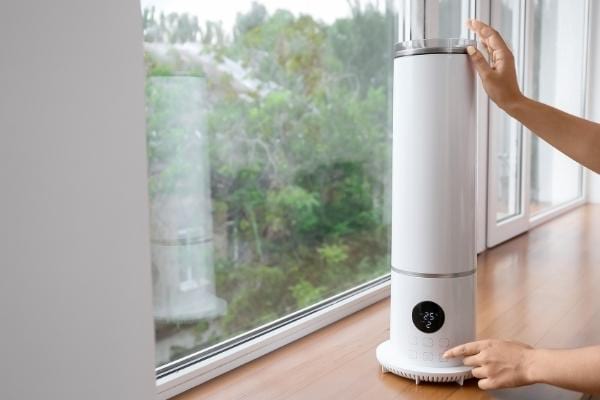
(433, 258)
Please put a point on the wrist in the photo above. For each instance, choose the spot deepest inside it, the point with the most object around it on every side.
(534, 366)
(514, 105)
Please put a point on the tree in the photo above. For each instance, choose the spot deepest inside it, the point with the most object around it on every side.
(298, 157)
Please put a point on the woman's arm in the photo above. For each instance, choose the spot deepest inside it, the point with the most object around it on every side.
(574, 136)
(500, 364)
(575, 369)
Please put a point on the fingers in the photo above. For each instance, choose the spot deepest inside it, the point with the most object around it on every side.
(479, 372)
(467, 349)
(489, 36)
(479, 62)
(473, 361)
(486, 384)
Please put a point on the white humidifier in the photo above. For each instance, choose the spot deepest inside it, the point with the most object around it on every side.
(433, 211)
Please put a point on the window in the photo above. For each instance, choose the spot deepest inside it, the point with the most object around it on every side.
(508, 133)
(529, 181)
(558, 80)
(507, 194)
(268, 131)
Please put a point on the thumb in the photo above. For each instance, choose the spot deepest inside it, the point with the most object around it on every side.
(479, 62)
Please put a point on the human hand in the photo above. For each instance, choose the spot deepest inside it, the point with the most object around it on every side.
(497, 363)
(499, 77)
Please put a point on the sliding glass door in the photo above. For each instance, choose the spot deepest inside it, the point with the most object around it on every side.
(507, 214)
(528, 180)
(557, 78)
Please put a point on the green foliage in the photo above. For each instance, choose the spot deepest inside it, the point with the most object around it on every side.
(346, 198)
(244, 289)
(365, 59)
(306, 294)
(250, 20)
(297, 148)
(333, 254)
(171, 28)
(201, 327)
(291, 211)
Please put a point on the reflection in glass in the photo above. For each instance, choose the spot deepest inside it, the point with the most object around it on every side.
(180, 208)
(269, 161)
(556, 80)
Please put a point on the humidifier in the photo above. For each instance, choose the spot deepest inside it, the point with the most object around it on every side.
(433, 258)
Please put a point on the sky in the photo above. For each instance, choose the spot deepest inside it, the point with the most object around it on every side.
(226, 10)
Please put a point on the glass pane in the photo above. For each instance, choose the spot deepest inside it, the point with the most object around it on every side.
(506, 132)
(434, 19)
(268, 129)
(452, 17)
(558, 54)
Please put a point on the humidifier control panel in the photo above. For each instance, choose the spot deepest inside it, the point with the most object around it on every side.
(428, 316)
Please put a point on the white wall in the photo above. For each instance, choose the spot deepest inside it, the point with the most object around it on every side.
(75, 284)
(594, 91)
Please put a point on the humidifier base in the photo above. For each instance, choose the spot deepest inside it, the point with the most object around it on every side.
(389, 363)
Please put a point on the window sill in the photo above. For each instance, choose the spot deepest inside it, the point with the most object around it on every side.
(526, 273)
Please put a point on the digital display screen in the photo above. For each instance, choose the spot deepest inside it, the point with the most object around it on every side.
(428, 317)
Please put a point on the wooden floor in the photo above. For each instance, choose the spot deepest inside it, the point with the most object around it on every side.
(540, 288)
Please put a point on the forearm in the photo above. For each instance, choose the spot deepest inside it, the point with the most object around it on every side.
(576, 369)
(574, 136)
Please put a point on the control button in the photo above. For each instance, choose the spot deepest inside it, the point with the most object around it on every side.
(427, 356)
(414, 341)
(427, 342)
(412, 354)
(441, 358)
(444, 343)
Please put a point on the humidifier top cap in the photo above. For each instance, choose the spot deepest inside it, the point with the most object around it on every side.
(432, 46)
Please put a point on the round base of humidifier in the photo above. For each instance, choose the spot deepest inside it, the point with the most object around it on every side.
(390, 362)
